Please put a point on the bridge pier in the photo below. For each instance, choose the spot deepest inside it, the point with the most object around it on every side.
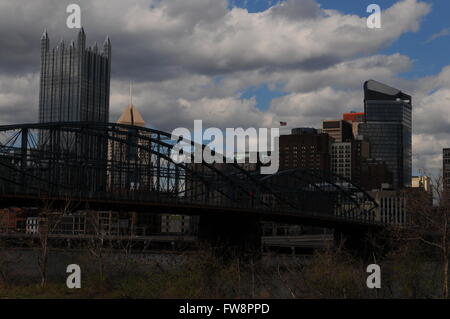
(231, 236)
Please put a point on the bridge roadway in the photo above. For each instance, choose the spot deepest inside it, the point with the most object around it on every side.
(180, 207)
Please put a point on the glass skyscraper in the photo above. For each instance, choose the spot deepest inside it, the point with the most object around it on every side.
(388, 128)
(75, 87)
(75, 81)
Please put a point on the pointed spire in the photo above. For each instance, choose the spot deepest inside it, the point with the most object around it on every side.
(95, 47)
(107, 47)
(131, 115)
(44, 35)
(81, 40)
(131, 93)
(45, 41)
(72, 44)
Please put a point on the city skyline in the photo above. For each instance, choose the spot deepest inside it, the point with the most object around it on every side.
(226, 91)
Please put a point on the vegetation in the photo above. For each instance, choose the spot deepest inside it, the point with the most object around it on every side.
(328, 274)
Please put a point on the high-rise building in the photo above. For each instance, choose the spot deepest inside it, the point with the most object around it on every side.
(339, 130)
(388, 127)
(75, 81)
(307, 149)
(347, 158)
(446, 169)
(74, 87)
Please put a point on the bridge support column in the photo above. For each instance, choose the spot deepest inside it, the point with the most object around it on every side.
(231, 236)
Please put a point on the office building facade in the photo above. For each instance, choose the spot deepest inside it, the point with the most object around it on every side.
(75, 81)
(339, 130)
(392, 209)
(388, 129)
(75, 87)
(446, 169)
(306, 149)
(347, 158)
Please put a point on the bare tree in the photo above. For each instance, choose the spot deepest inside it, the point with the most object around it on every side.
(428, 224)
(48, 222)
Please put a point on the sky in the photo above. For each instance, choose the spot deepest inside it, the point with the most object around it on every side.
(244, 63)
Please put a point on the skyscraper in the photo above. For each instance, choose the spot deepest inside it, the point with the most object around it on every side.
(74, 87)
(75, 81)
(388, 128)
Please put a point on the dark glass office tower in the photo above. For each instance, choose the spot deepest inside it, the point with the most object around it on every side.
(75, 81)
(388, 128)
(75, 85)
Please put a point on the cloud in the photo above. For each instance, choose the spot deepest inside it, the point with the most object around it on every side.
(443, 33)
(192, 59)
(296, 9)
(19, 96)
(162, 39)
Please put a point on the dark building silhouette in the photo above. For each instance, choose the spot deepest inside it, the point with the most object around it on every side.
(388, 127)
(446, 169)
(75, 81)
(374, 174)
(305, 148)
(75, 87)
(339, 130)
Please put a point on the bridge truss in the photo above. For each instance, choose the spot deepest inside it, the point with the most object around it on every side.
(119, 163)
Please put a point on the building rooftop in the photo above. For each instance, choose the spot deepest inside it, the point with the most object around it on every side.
(374, 90)
(131, 116)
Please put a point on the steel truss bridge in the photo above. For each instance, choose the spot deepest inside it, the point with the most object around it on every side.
(122, 167)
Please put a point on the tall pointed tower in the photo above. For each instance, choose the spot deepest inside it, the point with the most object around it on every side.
(75, 81)
(131, 115)
(126, 148)
(75, 84)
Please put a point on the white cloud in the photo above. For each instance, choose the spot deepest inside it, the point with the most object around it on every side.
(443, 33)
(192, 59)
